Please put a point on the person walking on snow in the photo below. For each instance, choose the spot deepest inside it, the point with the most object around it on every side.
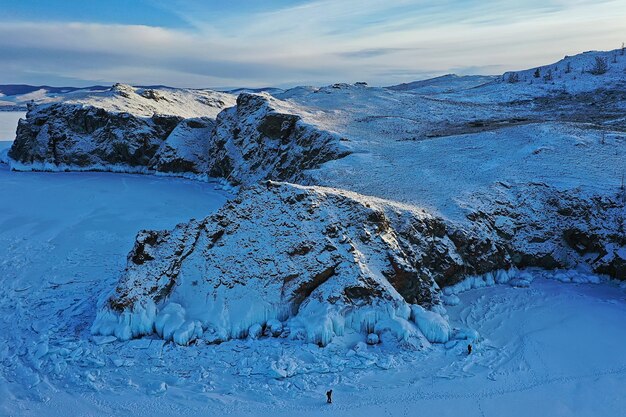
(329, 396)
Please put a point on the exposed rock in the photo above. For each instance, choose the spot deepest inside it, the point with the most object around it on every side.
(253, 268)
(186, 149)
(121, 129)
(552, 228)
(64, 135)
(254, 141)
(74, 137)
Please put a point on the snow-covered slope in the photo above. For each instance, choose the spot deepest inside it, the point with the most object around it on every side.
(444, 84)
(298, 262)
(570, 76)
(16, 97)
(144, 102)
(583, 72)
(121, 98)
(435, 153)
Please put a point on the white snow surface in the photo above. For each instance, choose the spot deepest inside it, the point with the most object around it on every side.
(122, 98)
(444, 84)
(8, 124)
(187, 103)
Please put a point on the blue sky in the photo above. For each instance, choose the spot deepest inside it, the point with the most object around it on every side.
(288, 42)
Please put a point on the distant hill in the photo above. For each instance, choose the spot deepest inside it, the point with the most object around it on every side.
(20, 89)
(15, 97)
(270, 90)
(444, 84)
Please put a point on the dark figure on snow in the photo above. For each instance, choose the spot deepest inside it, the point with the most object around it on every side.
(329, 396)
(469, 349)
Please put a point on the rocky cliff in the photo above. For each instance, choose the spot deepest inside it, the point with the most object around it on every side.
(121, 129)
(303, 262)
(250, 142)
(566, 229)
(67, 136)
(256, 141)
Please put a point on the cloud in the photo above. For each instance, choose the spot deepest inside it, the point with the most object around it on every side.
(373, 52)
(314, 42)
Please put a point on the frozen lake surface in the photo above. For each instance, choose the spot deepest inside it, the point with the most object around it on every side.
(8, 124)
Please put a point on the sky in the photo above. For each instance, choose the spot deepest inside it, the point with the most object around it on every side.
(282, 43)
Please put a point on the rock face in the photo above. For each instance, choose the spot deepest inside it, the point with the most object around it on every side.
(254, 141)
(550, 228)
(121, 129)
(314, 259)
(63, 135)
(186, 149)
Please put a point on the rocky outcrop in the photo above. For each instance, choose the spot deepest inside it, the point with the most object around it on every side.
(549, 228)
(254, 141)
(186, 149)
(248, 143)
(120, 129)
(313, 260)
(64, 136)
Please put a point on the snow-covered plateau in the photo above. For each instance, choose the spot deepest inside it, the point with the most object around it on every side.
(282, 243)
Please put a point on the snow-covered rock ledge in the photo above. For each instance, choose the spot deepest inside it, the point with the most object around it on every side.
(301, 262)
